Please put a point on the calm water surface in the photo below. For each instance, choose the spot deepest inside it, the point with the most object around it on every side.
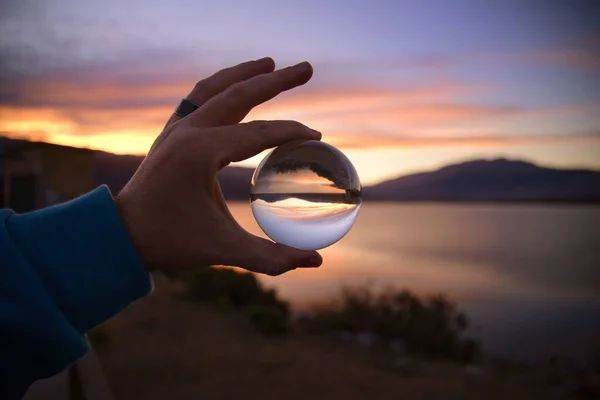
(527, 275)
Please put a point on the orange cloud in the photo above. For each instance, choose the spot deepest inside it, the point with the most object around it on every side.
(65, 93)
(123, 112)
(432, 113)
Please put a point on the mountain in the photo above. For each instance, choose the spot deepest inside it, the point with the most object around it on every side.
(494, 180)
(115, 170)
(479, 180)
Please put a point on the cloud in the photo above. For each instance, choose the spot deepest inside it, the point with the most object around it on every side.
(144, 80)
(576, 59)
(581, 54)
(121, 105)
(431, 111)
(481, 140)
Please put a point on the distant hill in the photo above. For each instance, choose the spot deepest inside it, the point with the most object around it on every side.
(115, 170)
(480, 180)
(495, 180)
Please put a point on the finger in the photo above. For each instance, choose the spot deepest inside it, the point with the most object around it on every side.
(239, 142)
(232, 105)
(217, 83)
(260, 255)
(220, 81)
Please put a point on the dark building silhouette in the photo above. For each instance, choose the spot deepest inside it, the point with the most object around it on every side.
(35, 175)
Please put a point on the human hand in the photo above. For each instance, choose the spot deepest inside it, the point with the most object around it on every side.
(173, 207)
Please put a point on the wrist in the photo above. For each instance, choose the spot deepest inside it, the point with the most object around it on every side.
(128, 219)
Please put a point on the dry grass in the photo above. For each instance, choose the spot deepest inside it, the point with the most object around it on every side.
(161, 348)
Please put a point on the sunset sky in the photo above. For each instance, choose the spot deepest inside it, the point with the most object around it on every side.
(399, 86)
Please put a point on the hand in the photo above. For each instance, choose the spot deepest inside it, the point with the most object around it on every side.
(173, 207)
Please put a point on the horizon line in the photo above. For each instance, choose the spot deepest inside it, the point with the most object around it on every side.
(374, 183)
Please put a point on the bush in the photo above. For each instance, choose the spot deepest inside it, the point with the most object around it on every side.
(228, 288)
(430, 326)
(269, 320)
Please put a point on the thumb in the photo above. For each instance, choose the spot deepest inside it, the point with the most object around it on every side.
(263, 256)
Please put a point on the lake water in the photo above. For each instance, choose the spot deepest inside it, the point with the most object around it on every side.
(528, 276)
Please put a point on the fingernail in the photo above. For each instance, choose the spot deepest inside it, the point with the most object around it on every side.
(264, 59)
(312, 261)
(303, 65)
(317, 133)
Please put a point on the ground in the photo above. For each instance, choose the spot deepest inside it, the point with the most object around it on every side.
(167, 348)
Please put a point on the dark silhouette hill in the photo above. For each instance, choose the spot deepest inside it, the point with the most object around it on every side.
(115, 170)
(494, 180)
(498, 180)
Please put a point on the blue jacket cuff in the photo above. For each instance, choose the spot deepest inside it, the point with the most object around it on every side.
(84, 256)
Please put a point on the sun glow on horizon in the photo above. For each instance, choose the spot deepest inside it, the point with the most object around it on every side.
(376, 152)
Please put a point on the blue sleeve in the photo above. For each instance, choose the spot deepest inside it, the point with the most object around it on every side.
(63, 270)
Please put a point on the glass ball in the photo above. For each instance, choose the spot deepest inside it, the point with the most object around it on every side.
(305, 195)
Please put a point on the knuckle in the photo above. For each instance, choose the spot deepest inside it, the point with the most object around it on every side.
(278, 270)
(223, 72)
(201, 93)
(281, 263)
(238, 92)
(216, 81)
(201, 86)
(290, 126)
(282, 77)
(260, 125)
(296, 126)
(275, 264)
(229, 100)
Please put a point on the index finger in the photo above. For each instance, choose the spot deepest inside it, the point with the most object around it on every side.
(232, 105)
(242, 141)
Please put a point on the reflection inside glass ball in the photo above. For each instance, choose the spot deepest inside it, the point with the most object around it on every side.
(306, 195)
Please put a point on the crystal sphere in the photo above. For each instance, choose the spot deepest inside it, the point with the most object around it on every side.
(305, 195)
